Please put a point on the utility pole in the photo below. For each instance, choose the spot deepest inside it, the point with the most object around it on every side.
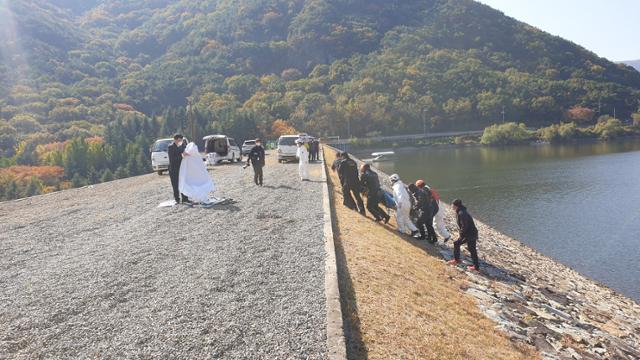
(614, 112)
(503, 114)
(424, 122)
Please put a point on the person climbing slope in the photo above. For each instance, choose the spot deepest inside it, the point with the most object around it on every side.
(370, 181)
(403, 206)
(425, 209)
(468, 235)
(438, 218)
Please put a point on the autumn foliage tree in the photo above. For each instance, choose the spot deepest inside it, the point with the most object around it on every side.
(581, 114)
(281, 127)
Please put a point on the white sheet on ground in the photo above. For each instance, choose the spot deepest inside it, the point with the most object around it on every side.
(168, 203)
(194, 180)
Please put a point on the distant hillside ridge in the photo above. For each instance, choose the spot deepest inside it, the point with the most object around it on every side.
(330, 67)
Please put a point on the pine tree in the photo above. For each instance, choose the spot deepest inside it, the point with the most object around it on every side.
(121, 173)
(34, 187)
(107, 175)
(78, 181)
(12, 190)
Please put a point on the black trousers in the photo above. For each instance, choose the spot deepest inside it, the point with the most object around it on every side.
(425, 221)
(471, 246)
(257, 174)
(373, 205)
(348, 199)
(173, 175)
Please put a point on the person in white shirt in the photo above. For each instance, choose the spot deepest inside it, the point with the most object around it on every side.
(403, 206)
(303, 165)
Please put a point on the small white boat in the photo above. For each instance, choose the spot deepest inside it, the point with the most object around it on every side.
(383, 156)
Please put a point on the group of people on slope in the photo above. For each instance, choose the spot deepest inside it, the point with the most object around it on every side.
(417, 201)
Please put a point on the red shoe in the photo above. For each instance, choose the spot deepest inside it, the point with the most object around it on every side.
(453, 262)
(473, 268)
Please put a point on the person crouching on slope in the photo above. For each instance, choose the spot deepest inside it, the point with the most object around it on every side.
(370, 181)
(425, 209)
(468, 235)
(303, 161)
(438, 218)
(351, 187)
(403, 206)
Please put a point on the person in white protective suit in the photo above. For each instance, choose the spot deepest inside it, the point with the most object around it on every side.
(403, 206)
(438, 219)
(194, 179)
(303, 165)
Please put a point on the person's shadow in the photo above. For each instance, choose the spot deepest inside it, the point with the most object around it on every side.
(286, 187)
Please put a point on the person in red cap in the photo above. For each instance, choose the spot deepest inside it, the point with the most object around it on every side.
(438, 218)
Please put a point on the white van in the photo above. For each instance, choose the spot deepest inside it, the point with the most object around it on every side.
(160, 155)
(287, 147)
(218, 148)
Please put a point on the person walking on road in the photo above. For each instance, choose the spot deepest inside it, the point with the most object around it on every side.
(438, 218)
(403, 206)
(370, 181)
(303, 161)
(175, 151)
(350, 181)
(424, 207)
(256, 159)
(468, 235)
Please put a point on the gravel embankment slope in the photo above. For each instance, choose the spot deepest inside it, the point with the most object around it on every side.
(103, 273)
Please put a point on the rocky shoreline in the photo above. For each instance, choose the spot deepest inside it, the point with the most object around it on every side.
(543, 303)
(536, 300)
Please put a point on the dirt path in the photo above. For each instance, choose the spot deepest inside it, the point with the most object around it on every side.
(101, 272)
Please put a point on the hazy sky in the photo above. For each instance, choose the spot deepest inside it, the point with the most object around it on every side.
(610, 28)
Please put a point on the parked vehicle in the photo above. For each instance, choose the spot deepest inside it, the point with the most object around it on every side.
(160, 156)
(220, 148)
(287, 147)
(247, 146)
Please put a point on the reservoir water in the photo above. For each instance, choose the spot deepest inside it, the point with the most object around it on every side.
(579, 204)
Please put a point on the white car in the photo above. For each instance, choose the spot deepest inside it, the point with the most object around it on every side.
(220, 148)
(247, 146)
(287, 147)
(160, 155)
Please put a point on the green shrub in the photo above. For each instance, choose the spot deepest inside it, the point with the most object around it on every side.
(558, 133)
(506, 134)
(609, 129)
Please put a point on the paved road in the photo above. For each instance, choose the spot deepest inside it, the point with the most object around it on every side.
(103, 273)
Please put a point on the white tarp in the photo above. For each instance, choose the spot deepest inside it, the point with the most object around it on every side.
(194, 180)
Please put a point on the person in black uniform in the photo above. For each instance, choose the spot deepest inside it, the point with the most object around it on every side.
(348, 174)
(468, 235)
(424, 208)
(371, 182)
(175, 159)
(256, 159)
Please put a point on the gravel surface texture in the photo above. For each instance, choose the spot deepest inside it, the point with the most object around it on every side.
(101, 272)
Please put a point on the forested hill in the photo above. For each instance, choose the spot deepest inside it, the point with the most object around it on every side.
(122, 70)
(633, 63)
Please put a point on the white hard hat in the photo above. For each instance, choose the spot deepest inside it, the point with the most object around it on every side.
(393, 178)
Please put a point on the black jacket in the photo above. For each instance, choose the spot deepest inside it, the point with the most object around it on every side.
(256, 156)
(175, 156)
(370, 180)
(466, 225)
(336, 167)
(348, 173)
(424, 202)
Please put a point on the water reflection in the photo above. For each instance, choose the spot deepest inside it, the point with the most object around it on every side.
(577, 203)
